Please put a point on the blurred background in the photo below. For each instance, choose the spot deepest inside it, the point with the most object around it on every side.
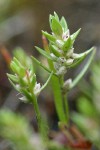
(21, 22)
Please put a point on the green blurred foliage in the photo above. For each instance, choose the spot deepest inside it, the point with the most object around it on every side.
(88, 118)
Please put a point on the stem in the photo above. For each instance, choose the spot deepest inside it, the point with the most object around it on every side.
(58, 99)
(37, 111)
(64, 97)
(42, 124)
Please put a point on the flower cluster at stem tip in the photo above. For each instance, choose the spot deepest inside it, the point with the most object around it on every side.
(61, 45)
(24, 80)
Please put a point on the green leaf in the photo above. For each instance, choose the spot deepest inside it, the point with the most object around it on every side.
(80, 57)
(56, 27)
(17, 88)
(14, 67)
(44, 53)
(12, 77)
(74, 35)
(67, 45)
(54, 50)
(64, 24)
(27, 94)
(81, 74)
(46, 82)
(49, 36)
(40, 64)
(50, 20)
(56, 16)
(33, 81)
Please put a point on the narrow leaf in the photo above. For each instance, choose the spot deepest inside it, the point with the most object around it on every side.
(64, 24)
(50, 20)
(80, 57)
(81, 74)
(44, 53)
(56, 27)
(12, 77)
(54, 50)
(14, 85)
(27, 95)
(46, 82)
(40, 64)
(67, 45)
(49, 36)
(74, 35)
(56, 16)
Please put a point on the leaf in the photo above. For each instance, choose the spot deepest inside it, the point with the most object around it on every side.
(50, 20)
(74, 35)
(81, 74)
(56, 27)
(56, 16)
(33, 81)
(49, 36)
(80, 57)
(14, 85)
(12, 77)
(40, 64)
(14, 67)
(27, 94)
(54, 50)
(64, 24)
(67, 45)
(46, 82)
(44, 53)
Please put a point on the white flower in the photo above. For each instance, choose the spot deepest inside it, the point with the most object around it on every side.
(37, 89)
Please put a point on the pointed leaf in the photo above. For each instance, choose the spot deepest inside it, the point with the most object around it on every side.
(81, 74)
(33, 80)
(27, 95)
(49, 36)
(14, 85)
(40, 64)
(44, 53)
(67, 45)
(74, 35)
(64, 24)
(56, 16)
(84, 53)
(56, 27)
(80, 57)
(46, 82)
(50, 20)
(54, 50)
(12, 77)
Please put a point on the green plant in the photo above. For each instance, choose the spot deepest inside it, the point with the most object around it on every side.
(88, 118)
(59, 52)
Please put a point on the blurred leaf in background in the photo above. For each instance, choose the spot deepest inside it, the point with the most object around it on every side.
(88, 118)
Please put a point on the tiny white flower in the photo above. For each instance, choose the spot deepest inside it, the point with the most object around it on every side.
(62, 70)
(69, 61)
(66, 35)
(37, 88)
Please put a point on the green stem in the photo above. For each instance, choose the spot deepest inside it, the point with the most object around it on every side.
(58, 99)
(37, 111)
(42, 124)
(64, 97)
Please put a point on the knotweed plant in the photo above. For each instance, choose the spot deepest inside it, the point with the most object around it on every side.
(61, 57)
